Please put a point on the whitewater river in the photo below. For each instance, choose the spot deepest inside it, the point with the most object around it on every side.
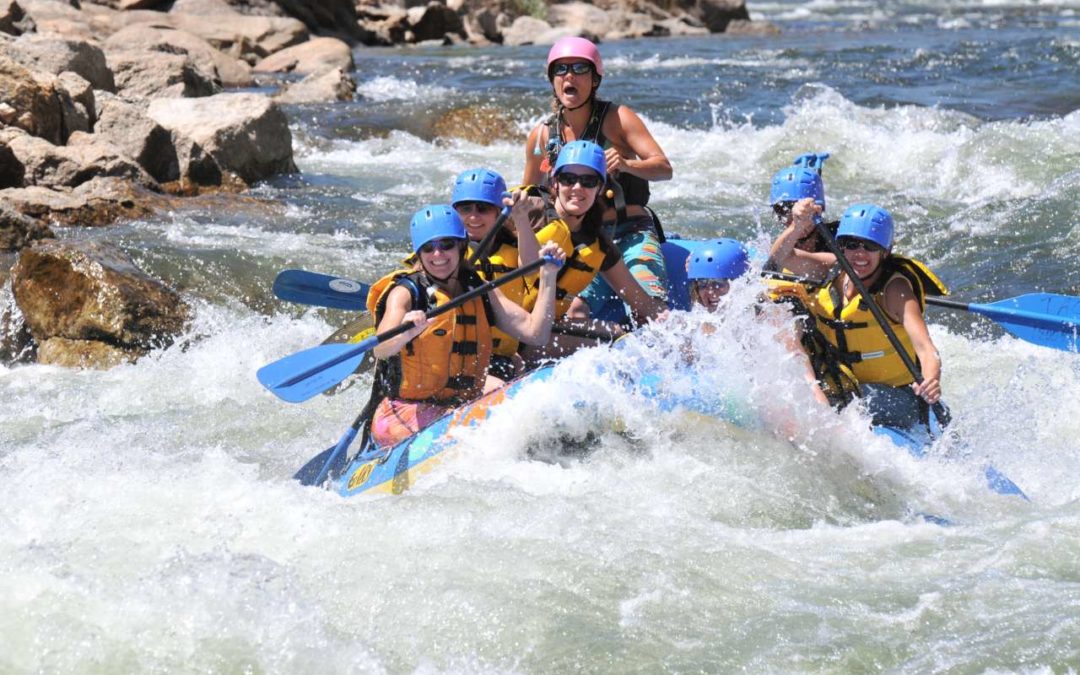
(148, 522)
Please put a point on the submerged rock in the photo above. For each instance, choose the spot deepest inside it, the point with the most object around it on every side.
(87, 304)
(483, 125)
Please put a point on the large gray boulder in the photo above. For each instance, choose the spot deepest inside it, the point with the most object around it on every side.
(55, 55)
(126, 125)
(91, 292)
(225, 70)
(226, 136)
(153, 74)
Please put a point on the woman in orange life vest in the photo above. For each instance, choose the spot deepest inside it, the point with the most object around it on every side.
(580, 171)
(898, 285)
(442, 362)
(632, 157)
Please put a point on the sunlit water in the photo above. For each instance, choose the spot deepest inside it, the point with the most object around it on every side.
(149, 522)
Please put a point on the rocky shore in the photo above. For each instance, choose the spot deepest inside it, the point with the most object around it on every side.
(113, 109)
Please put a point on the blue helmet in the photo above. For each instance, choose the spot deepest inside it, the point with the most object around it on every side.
(479, 185)
(435, 221)
(811, 160)
(869, 222)
(794, 183)
(717, 259)
(585, 153)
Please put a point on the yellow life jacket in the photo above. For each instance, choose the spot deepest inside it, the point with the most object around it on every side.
(853, 338)
(448, 362)
(504, 259)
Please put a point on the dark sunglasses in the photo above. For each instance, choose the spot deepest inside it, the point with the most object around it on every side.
(577, 68)
(856, 244)
(468, 207)
(441, 244)
(567, 179)
(783, 210)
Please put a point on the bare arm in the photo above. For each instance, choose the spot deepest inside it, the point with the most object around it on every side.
(901, 303)
(398, 311)
(537, 139)
(799, 262)
(533, 328)
(643, 306)
(528, 246)
(634, 150)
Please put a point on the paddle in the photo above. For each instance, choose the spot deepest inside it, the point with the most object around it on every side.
(939, 409)
(312, 288)
(321, 465)
(300, 376)
(1044, 319)
(481, 250)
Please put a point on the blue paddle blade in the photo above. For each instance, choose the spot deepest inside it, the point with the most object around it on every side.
(1001, 484)
(311, 288)
(1045, 319)
(300, 376)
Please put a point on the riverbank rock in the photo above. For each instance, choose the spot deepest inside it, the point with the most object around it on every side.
(14, 20)
(322, 87)
(87, 304)
(309, 57)
(18, 231)
(127, 125)
(29, 104)
(12, 172)
(224, 70)
(50, 54)
(86, 156)
(227, 136)
(151, 74)
(100, 201)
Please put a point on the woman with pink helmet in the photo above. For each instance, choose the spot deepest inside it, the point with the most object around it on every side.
(634, 158)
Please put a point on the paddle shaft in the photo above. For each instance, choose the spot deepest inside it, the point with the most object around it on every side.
(1009, 316)
(379, 338)
(879, 316)
(485, 243)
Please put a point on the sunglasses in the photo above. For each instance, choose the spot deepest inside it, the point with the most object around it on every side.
(783, 210)
(577, 68)
(468, 207)
(567, 179)
(856, 244)
(441, 244)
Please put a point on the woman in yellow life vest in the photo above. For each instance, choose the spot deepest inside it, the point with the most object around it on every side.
(478, 196)
(443, 362)
(853, 337)
(580, 173)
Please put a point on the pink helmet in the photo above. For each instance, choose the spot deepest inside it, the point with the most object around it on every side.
(575, 48)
